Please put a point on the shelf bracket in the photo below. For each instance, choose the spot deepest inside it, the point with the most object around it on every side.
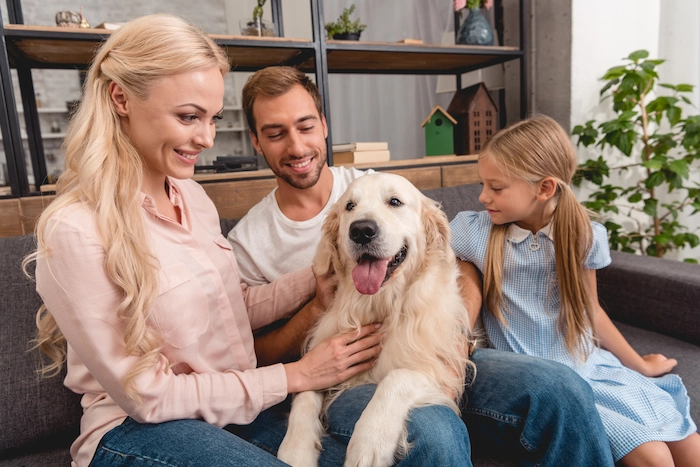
(31, 120)
(319, 37)
(9, 124)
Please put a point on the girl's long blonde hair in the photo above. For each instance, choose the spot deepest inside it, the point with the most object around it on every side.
(104, 171)
(532, 150)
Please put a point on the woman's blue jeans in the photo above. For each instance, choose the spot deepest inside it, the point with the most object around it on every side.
(536, 410)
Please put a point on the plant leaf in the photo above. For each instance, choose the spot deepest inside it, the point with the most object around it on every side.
(679, 167)
(653, 164)
(635, 198)
(674, 115)
(638, 55)
(650, 205)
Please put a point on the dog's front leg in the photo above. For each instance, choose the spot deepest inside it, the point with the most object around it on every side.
(302, 442)
(380, 433)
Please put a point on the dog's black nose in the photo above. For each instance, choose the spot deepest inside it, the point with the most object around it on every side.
(363, 232)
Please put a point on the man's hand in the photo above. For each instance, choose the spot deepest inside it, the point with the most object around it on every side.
(326, 286)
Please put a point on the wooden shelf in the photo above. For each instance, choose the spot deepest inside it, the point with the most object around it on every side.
(396, 58)
(55, 47)
(50, 47)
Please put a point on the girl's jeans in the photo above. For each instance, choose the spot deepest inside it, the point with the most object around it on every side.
(535, 410)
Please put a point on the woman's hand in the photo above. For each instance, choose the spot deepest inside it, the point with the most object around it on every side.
(656, 365)
(335, 359)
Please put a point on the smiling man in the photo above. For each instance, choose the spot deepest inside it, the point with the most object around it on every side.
(288, 129)
(280, 233)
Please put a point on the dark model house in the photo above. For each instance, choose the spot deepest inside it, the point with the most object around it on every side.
(477, 118)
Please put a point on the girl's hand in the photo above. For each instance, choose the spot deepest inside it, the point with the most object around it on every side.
(334, 360)
(656, 365)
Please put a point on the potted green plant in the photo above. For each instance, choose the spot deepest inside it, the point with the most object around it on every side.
(662, 150)
(343, 28)
(256, 26)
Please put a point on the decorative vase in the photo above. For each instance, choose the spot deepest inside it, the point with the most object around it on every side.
(475, 30)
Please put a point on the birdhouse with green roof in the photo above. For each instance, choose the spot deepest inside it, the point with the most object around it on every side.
(439, 133)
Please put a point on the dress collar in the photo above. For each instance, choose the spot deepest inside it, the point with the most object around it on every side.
(517, 234)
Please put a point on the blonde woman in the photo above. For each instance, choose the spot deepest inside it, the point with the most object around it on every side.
(538, 252)
(142, 298)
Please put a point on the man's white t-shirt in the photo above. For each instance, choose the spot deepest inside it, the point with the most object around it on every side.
(267, 244)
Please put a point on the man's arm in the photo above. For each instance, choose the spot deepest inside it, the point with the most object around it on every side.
(283, 344)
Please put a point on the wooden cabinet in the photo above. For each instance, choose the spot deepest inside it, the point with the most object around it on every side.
(26, 47)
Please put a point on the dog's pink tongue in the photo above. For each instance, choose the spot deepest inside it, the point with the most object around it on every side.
(369, 274)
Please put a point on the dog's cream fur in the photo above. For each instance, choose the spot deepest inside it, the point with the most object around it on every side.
(425, 323)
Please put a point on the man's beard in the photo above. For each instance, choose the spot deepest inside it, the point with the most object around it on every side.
(300, 181)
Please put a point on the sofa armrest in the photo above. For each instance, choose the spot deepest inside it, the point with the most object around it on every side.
(656, 294)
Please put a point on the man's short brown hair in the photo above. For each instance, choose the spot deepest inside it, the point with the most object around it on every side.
(274, 81)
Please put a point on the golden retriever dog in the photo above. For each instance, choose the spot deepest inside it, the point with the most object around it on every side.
(390, 248)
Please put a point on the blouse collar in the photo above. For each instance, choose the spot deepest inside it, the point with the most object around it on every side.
(517, 234)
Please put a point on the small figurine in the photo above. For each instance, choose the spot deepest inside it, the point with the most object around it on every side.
(68, 19)
(83, 22)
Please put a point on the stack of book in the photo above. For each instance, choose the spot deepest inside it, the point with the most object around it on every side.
(360, 153)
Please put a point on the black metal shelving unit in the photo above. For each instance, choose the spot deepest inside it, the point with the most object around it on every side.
(26, 47)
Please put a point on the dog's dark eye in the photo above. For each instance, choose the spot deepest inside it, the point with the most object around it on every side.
(349, 206)
(395, 202)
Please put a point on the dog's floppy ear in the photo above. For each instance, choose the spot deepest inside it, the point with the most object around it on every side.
(327, 251)
(437, 227)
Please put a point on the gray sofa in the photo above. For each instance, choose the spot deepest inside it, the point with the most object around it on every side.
(656, 304)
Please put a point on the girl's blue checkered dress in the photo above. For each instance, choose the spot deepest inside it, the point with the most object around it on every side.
(634, 409)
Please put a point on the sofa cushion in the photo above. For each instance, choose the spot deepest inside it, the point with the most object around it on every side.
(55, 457)
(227, 225)
(457, 198)
(648, 342)
(37, 414)
(644, 291)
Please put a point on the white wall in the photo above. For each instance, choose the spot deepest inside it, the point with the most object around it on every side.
(603, 32)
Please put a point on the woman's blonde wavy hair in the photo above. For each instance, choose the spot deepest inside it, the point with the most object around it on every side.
(532, 150)
(104, 171)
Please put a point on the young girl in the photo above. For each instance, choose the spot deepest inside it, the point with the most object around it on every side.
(538, 253)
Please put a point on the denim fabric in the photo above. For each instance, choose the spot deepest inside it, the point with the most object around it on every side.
(178, 443)
(435, 433)
(538, 410)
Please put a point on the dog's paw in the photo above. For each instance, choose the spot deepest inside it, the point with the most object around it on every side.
(366, 449)
(298, 455)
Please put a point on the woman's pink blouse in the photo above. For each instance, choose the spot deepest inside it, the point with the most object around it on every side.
(203, 313)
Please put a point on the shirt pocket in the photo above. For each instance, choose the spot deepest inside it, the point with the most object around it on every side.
(226, 261)
(223, 243)
(181, 311)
